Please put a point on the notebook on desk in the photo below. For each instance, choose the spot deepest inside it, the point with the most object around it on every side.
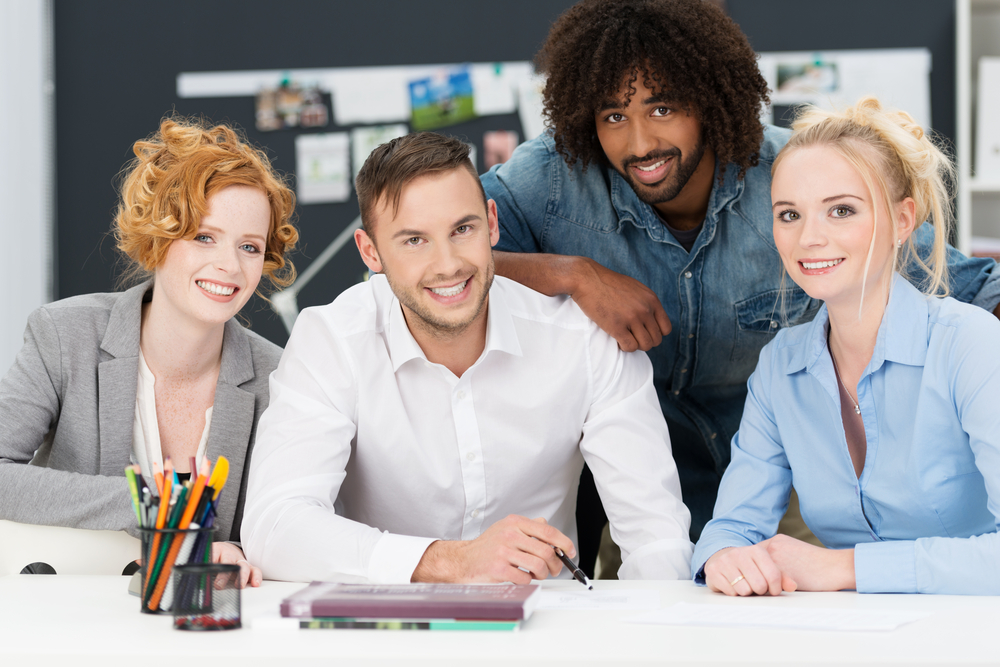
(506, 602)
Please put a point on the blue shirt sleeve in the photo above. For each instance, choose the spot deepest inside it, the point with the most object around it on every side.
(754, 491)
(953, 565)
(520, 188)
(971, 279)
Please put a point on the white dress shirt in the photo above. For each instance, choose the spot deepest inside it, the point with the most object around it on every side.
(368, 452)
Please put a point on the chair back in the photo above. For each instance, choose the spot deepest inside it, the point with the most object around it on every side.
(67, 550)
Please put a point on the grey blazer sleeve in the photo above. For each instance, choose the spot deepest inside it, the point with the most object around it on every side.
(31, 401)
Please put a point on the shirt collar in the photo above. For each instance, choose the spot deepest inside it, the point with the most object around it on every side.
(901, 335)
(630, 207)
(501, 335)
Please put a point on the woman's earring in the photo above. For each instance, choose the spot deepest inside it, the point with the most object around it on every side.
(899, 243)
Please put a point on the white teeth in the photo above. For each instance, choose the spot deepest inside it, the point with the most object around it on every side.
(822, 265)
(651, 167)
(217, 290)
(450, 291)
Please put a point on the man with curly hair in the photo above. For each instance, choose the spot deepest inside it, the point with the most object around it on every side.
(649, 202)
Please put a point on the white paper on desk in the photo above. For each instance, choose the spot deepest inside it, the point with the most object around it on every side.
(322, 167)
(632, 600)
(798, 618)
(366, 139)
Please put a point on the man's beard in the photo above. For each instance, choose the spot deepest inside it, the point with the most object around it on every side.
(427, 320)
(675, 181)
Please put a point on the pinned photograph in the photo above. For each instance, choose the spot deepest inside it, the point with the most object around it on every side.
(442, 99)
(498, 147)
(809, 78)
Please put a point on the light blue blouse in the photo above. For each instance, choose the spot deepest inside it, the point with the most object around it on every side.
(923, 517)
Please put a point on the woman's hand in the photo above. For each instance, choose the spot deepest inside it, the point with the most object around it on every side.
(223, 552)
(746, 571)
(813, 568)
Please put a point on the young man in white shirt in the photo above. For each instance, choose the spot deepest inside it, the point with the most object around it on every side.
(417, 422)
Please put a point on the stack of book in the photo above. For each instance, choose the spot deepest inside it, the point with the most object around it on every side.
(412, 606)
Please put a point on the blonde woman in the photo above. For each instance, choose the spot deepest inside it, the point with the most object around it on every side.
(162, 369)
(881, 411)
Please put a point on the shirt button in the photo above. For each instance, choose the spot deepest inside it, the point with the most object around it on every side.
(471, 456)
(677, 391)
(460, 395)
(690, 335)
(687, 274)
(475, 513)
(684, 370)
(713, 436)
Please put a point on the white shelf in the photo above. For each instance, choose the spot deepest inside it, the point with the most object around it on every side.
(984, 185)
(977, 34)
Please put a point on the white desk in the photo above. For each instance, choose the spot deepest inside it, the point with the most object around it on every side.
(92, 620)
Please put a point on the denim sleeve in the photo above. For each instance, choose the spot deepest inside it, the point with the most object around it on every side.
(520, 189)
(754, 491)
(971, 279)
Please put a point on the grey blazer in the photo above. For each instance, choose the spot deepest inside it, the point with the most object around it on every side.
(67, 406)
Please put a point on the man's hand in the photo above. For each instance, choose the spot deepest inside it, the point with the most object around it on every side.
(746, 571)
(223, 552)
(628, 310)
(495, 556)
(813, 568)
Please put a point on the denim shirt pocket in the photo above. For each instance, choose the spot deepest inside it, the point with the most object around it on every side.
(760, 317)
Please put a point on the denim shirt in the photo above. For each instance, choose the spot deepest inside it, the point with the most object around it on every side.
(931, 473)
(726, 298)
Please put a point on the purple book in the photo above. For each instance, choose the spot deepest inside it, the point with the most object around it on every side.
(507, 602)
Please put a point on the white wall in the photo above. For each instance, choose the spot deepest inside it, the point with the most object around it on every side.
(26, 167)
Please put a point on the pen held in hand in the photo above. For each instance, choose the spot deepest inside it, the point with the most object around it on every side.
(571, 566)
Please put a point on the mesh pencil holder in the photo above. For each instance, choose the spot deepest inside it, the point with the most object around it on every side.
(207, 597)
(162, 550)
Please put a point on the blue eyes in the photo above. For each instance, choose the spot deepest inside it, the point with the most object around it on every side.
(246, 247)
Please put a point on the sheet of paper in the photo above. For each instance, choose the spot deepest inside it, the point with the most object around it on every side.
(632, 600)
(496, 84)
(530, 107)
(365, 139)
(799, 618)
(322, 167)
(836, 79)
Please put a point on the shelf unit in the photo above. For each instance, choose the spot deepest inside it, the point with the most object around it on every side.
(978, 199)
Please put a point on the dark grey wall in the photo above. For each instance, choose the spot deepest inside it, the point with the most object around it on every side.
(117, 62)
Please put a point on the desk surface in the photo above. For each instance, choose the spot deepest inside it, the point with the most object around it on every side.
(92, 620)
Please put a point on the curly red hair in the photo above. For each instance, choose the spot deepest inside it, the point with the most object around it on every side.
(165, 192)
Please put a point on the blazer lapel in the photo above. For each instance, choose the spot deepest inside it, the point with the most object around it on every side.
(232, 422)
(117, 380)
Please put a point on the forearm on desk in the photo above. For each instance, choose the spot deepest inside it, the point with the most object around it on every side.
(37, 495)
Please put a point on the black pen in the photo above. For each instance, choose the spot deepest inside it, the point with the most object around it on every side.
(571, 566)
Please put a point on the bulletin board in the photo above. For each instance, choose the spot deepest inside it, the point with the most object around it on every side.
(117, 67)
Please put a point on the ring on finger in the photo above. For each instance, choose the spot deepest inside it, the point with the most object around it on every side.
(736, 580)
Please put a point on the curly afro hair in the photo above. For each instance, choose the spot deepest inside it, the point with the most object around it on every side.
(688, 49)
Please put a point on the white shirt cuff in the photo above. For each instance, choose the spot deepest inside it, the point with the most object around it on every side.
(663, 559)
(395, 557)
